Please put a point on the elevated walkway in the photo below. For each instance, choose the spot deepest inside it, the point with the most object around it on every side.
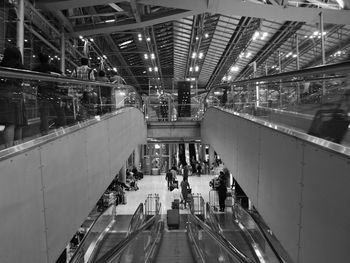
(173, 131)
(298, 183)
(49, 185)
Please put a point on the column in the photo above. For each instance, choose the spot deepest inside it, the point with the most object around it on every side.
(211, 156)
(20, 27)
(63, 52)
(122, 174)
(137, 157)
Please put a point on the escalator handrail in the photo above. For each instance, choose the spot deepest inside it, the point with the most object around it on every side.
(228, 247)
(154, 248)
(248, 238)
(263, 233)
(119, 248)
(87, 233)
(136, 219)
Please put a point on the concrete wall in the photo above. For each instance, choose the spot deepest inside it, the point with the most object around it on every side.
(48, 191)
(300, 189)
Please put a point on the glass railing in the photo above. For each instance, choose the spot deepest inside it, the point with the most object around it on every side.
(261, 245)
(140, 245)
(290, 98)
(209, 246)
(170, 110)
(34, 104)
(95, 233)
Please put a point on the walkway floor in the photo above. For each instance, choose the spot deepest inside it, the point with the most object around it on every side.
(156, 184)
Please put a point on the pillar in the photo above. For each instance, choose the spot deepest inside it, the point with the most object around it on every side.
(137, 157)
(63, 52)
(122, 175)
(20, 27)
(211, 155)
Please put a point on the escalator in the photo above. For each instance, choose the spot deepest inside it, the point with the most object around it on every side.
(174, 248)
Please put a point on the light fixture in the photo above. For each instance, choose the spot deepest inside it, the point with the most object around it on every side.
(115, 69)
(194, 55)
(150, 69)
(200, 56)
(234, 69)
(206, 35)
(156, 69)
(248, 54)
(148, 39)
(197, 38)
(81, 37)
(153, 56)
(125, 43)
(91, 40)
(110, 21)
(139, 36)
(191, 69)
(196, 68)
(145, 56)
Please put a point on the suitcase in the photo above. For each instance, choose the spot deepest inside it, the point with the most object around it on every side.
(173, 218)
(330, 124)
(175, 204)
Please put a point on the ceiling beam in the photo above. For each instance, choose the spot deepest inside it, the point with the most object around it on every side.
(225, 7)
(123, 26)
(250, 9)
(68, 4)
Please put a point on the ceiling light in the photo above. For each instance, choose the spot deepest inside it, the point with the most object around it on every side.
(148, 39)
(194, 55)
(196, 68)
(340, 3)
(150, 69)
(104, 56)
(125, 43)
(197, 38)
(155, 69)
(229, 77)
(248, 55)
(294, 55)
(110, 21)
(206, 35)
(315, 33)
(153, 56)
(145, 56)
(139, 36)
(224, 78)
(200, 55)
(234, 69)
(91, 40)
(81, 37)
(191, 69)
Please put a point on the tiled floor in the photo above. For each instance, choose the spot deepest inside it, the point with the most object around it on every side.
(156, 184)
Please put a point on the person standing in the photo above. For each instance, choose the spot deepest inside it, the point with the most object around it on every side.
(84, 71)
(222, 191)
(48, 96)
(169, 178)
(185, 172)
(185, 187)
(13, 113)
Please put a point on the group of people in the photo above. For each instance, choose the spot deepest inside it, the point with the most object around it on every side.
(13, 111)
(172, 183)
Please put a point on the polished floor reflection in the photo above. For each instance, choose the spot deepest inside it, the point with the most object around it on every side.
(156, 184)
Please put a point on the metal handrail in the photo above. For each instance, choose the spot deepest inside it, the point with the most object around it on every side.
(75, 254)
(229, 248)
(338, 148)
(135, 219)
(262, 232)
(121, 246)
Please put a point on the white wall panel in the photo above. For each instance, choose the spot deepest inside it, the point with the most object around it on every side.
(76, 168)
(302, 189)
(64, 168)
(21, 210)
(325, 233)
(279, 186)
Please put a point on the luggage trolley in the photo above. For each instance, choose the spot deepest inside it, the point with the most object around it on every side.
(152, 204)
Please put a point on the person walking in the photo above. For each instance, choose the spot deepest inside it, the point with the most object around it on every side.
(185, 188)
(169, 178)
(222, 191)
